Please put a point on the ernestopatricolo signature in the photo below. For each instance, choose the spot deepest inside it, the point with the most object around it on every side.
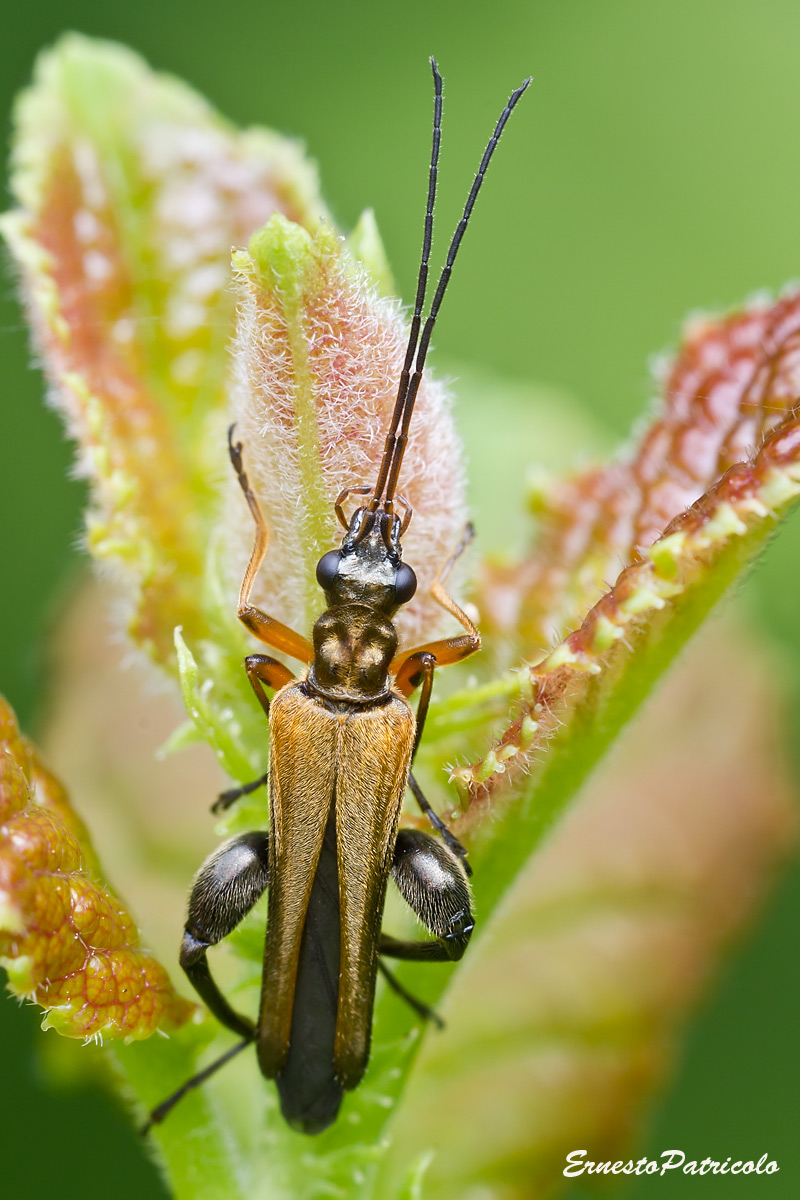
(669, 1160)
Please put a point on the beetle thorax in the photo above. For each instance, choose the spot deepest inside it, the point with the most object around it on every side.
(353, 647)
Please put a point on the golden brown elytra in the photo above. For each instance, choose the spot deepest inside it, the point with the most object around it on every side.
(342, 741)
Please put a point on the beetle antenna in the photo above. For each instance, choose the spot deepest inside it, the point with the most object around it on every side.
(409, 394)
(422, 284)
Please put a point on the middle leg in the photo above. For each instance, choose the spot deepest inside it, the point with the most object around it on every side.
(417, 670)
(261, 669)
(444, 831)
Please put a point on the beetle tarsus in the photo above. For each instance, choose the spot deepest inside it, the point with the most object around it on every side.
(419, 1006)
(235, 452)
(225, 799)
(158, 1114)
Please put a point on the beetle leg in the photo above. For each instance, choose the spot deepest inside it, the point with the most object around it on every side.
(226, 887)
(225, 799)
(447, 836)
(266, 628)
(424, 1010)
(166, 1106)
(434, 883)
(418, 669)
(447, 650)
(260, 669)
(340, 499)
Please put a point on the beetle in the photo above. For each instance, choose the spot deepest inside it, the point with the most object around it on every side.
(342, 741)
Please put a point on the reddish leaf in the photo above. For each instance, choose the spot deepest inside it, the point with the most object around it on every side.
(65, 940)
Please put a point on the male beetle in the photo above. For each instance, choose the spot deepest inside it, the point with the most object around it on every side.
(342, 741)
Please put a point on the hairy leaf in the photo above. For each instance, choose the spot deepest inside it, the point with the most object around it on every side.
(733, 381)
(318, 357)
(571, 703)
(131, 191)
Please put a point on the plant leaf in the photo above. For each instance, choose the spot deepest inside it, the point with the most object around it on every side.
(131, 191)
(733, 381)
(572, 703)
(318, 354)
(566, 1015)
(65, 940)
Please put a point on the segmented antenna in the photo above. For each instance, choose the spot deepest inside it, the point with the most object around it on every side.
(409, 383)
(422, 284)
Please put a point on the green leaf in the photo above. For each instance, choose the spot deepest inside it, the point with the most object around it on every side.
(566, 1015)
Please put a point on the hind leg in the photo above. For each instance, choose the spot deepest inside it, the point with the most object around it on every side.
(227, 886)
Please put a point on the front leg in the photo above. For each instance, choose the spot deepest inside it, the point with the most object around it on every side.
(266, 628)
(433, 882)
(225, 889)
(446, 650)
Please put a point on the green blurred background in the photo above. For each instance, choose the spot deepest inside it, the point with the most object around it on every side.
(651, 172)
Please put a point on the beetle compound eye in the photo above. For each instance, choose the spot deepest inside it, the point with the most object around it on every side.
(328, 569)
(405, 584)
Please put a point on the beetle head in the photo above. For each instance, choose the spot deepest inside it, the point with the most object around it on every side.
(368, 569)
